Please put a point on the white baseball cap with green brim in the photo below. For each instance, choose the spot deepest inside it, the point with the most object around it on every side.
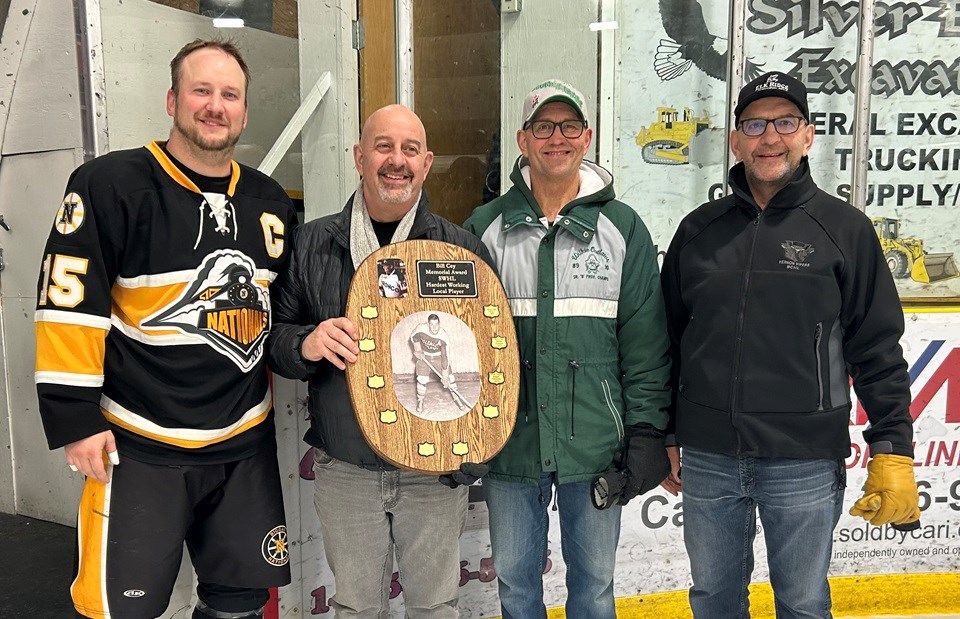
(553, 90)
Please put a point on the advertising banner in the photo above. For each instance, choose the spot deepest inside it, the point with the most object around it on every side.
(672, 98)
(651, 558)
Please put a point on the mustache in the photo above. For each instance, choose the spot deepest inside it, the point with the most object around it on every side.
(390, 169)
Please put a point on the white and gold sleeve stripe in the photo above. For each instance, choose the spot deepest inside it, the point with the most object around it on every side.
(70, 347)
(72, 318)
(71, 379)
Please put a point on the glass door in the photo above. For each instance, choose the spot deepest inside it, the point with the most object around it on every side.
(452, 82)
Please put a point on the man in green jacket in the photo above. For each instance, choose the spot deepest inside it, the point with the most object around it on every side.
(581, 274)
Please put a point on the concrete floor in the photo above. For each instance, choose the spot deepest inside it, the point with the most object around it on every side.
(37, 566)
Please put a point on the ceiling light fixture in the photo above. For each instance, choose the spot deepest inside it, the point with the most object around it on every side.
(227, 22)
(603, 25)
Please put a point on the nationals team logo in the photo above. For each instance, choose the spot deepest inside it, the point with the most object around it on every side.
(69, 215)
(224, 305)
(274, 546)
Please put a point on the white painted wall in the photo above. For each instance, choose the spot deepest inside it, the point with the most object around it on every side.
(45, 104)
(329, 176)
(139, 40)
(41, 144)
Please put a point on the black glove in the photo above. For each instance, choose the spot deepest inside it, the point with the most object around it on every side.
(469, 472)
(640, 468)
(645, 460)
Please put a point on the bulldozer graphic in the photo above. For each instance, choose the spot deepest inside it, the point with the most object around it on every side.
(905, 255)
(667, 141)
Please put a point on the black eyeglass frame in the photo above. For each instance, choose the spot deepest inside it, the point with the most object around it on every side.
(553, 128)
(766, 121)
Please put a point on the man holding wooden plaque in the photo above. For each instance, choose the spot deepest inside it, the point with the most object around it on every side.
(581, 275)
(368, 508)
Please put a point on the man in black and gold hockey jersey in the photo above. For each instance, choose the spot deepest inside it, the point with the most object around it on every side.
(153, 308)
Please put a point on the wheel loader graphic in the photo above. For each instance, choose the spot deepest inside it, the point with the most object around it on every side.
(667, 141)
(905, 255)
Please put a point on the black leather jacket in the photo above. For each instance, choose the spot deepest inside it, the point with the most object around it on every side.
(313, 289)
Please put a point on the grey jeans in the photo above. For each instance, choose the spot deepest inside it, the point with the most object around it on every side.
(366, 516)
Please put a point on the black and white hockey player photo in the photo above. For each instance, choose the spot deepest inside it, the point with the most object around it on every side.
(436, 371)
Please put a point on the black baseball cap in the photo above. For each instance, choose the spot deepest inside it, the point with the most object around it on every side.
(773, 84)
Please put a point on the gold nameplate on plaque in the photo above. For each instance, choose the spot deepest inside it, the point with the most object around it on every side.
(437, 380)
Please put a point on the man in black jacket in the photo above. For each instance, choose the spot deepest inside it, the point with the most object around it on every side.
(368, 509)
(776, 294)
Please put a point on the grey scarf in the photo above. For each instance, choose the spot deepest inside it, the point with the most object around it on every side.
(363, 240)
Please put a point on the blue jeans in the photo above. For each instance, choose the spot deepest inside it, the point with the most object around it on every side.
(799, 502)
(518, 537)
(367, 516)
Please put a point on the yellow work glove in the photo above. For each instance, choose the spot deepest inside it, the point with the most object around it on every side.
(890, 492)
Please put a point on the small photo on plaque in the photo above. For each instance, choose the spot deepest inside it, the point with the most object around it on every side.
(436, 369)
(392, 278)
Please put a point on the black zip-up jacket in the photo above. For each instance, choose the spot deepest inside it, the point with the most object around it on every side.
(769, 312)
(313, 289)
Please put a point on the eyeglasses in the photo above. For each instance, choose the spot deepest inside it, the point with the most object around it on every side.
(786, 125)
(543, 129)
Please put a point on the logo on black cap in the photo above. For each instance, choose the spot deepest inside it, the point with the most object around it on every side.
(773, 81)
(774, 84)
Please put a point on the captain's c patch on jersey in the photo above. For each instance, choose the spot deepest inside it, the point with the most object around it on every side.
(273, 234)
(224, 305)
(69, 215)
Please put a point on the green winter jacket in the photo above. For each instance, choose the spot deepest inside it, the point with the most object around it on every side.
(585, 297)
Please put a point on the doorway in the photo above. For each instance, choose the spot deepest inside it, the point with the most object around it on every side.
(455, 77)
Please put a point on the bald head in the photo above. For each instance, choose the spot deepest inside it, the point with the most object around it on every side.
(393, 160)
(390, 115)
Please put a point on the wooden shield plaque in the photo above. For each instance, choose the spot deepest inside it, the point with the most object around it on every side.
(438, 375)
